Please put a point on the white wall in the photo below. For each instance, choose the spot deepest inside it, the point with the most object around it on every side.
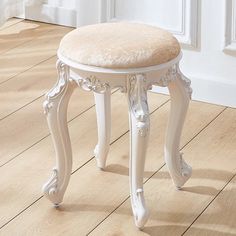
(60, 12)
(89, 11)
(206, 30)
(212, 66)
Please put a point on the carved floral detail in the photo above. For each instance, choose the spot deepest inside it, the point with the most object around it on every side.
(63, 78)
(168, 77)
(92, 84)
(50, 189)
(47, 106)
(123, 89)
(173, 73)
(187, 84)
(138, 102)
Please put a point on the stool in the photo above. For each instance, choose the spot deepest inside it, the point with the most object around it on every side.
(131, 57)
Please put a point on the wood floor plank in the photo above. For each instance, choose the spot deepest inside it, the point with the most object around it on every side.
(21, 33)
(26, 87)
(92, 194)
(28, 125)
(10, 22)
(212, 155)
(25, 175)
(26, 56)
(219, 217)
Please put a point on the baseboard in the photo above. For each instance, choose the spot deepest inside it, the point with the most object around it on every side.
(51, 14)
(211, 91)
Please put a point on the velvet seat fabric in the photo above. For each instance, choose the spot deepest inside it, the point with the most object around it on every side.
(119, 45)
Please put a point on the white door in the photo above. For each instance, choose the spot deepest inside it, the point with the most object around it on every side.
(206, 30)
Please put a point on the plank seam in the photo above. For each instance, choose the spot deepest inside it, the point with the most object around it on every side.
(161, 168)
(30, 40)
(14, 217)
(11, 25)
(18, 109)
(189, 227)
(21, 212)
(43, 138)
(48, 133)
(27, 69)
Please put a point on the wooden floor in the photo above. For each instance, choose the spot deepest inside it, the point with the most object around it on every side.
(97, 202)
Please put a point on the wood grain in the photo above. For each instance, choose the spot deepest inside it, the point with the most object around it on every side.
(28, 126)
(23, 129)
(25, 56)
(26, 87)
(99, 199)
(22, 32)
(92, 194)
(10, 22)
(219, 217)
(37, 162)
(212, 155)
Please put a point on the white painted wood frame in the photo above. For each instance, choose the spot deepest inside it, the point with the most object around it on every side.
(134, 82)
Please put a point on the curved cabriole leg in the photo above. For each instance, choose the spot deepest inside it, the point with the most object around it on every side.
(180, 92)
(139, 132)
(55, 107)
(103, 110)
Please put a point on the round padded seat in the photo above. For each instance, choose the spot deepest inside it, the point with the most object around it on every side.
(119, 45)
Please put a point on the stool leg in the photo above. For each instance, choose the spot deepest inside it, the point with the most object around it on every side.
(55, 107)
(139, 133)
(180, 92)
(103, 110)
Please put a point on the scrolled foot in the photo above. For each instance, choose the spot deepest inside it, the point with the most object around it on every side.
(186, 172)
(51, 191)
(140, 211)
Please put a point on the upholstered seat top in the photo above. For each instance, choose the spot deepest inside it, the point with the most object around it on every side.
(119, 45)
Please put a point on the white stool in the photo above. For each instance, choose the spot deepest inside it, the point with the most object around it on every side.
(132, 57)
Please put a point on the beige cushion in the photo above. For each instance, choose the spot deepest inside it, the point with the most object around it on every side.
(119, 45)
